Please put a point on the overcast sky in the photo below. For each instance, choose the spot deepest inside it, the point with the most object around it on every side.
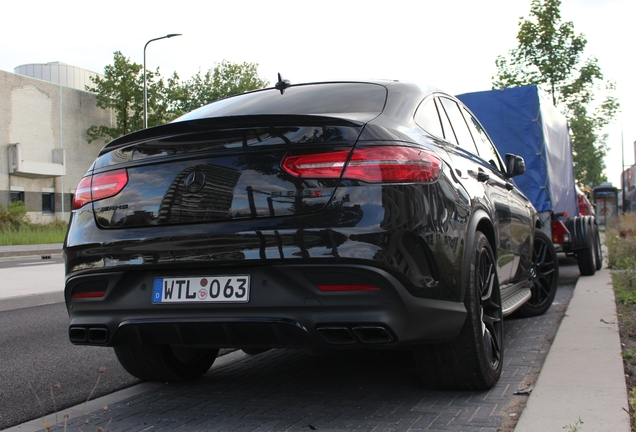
(449, 44)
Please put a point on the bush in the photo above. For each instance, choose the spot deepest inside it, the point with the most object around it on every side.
(15, 217)
(620, 240)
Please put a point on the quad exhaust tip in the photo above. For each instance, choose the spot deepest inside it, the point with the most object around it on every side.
(372, 334)
(341, 335)
(92, 335)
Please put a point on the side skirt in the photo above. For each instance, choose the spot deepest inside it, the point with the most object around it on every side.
(514, 296)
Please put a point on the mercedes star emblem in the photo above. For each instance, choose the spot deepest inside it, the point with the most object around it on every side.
(195, 181)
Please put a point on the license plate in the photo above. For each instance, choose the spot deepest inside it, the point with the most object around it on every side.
(202, 289)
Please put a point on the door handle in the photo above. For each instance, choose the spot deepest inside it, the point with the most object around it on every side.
(480, 175)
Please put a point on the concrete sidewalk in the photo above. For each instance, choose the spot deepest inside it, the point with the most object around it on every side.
(582, 377)
(16, 291)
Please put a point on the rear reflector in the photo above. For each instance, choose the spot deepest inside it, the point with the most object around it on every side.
(560, 233)
(381, 164)
(96, 294)
(99, 186)
(90, 289)
(347, 288)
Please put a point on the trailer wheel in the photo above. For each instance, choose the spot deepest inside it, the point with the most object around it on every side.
(598, 249)
(546, 276)
(586, 259)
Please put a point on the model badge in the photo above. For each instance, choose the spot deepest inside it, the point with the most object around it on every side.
(195, 181)
(305, 193)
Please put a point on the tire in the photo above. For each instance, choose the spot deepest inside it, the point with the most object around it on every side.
(586, 257)
(598, 249)
(546, 276)
(165, 363)
(473, 361)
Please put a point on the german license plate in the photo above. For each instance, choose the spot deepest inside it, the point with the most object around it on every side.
(206, 289)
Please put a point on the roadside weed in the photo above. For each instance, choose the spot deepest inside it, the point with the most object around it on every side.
(43, 409)
(574, 427)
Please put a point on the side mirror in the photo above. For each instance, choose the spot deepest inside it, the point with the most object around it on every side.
(515, 165)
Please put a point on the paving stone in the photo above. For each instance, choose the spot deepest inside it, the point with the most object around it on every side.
(289, 390)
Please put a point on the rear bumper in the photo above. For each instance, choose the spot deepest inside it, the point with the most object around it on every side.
(285, 309)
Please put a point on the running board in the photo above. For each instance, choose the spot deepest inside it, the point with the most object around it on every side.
(514, 300)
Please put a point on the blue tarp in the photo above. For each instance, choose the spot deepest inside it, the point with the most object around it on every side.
(523, 121)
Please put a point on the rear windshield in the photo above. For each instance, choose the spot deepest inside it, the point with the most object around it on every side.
(316, 99)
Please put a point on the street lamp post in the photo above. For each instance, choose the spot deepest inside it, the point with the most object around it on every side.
(145, 90)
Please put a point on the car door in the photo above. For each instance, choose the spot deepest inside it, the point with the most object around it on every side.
(480, 172)
(521, 229)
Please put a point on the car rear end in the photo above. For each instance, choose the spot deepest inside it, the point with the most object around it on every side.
(264, 221)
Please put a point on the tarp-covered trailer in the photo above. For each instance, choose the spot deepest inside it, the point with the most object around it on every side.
(523, 121)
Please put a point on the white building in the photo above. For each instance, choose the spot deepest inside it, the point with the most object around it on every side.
(44, 115)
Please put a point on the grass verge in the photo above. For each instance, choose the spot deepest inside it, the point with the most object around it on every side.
(33, 234)
(15, 229)
(620, 239)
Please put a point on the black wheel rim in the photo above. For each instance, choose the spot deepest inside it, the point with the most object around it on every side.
(491, 314)
(544, 282)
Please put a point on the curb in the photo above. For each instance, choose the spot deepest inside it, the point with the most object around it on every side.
(29, 250)
(16, 254)
(582, 378)
(33, 300)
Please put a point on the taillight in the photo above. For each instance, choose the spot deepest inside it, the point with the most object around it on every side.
(370, 164)
(99, 186)
(560, 233)
(321, 165)
(82, 193)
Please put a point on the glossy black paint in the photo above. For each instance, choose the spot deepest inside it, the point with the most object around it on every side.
(250, 216)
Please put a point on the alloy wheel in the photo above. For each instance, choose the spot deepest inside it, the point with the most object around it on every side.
(491, 314)
(544, 273)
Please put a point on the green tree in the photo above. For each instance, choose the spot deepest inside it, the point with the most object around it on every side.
(121, 89)
(549, 56)
(226, 79)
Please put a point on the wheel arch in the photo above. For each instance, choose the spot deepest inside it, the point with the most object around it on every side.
(479, 222)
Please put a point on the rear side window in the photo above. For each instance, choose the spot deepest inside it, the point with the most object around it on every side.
(485, 147)
(464, 138)
(329, 98)
(427, 118)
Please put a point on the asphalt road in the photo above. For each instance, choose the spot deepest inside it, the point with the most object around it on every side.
(36, 356)
(40, 370)
(284, 388)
